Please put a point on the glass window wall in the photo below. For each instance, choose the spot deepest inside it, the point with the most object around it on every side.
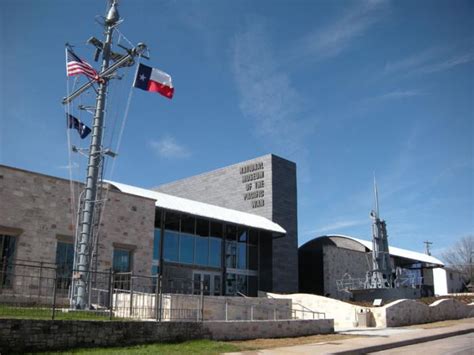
(201, 254)
(215, 248)
(170, 248)
(186, 248)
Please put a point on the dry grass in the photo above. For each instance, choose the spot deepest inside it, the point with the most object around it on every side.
(256, 344)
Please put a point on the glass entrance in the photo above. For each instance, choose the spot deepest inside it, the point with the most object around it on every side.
(211, 283)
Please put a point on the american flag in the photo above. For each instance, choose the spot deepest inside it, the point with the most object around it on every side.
(76, 66)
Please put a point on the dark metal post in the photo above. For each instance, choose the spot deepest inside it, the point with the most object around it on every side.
(157, 303)
(202, 300)
(40, 280)
(160, 286)
(131, 294)
(53, 313)
(111, 294)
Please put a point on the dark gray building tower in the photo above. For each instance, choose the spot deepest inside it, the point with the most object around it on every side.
(265, 186)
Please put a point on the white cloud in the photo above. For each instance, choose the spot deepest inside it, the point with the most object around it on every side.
(430, 60)
(72, 165)
(267, 95)
(167, 147)
(393, 95)
(337, 226)
(331, 40)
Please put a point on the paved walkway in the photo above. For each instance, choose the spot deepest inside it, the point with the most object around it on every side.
(380, 339)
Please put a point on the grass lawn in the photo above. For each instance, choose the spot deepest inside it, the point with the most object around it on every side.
(209, 346)
(45, 313)
(187, 347)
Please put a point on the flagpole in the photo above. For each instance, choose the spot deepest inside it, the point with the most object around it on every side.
(95, 159)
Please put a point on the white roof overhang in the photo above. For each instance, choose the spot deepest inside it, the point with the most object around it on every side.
(403, 253)
(201, 209)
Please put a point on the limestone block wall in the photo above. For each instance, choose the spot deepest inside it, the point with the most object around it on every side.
(338, 262)
(405, 312)
(36, 210)
(24, 335)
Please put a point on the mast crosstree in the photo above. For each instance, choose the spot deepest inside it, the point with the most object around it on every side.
(89, 209)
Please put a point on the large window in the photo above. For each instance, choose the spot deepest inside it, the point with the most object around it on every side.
(64, 264)
(215, 248)
(198, 241)
(156, 251)
(170, 249)
(7, 250)
(186, 248)
(122, 265)
(122, 260)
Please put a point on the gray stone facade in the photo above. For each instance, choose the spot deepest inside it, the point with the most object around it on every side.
(265, 186)
(36, 209)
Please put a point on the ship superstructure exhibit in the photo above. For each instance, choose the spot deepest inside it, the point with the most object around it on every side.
(336, 266)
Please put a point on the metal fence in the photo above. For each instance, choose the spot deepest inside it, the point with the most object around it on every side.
(40, 290)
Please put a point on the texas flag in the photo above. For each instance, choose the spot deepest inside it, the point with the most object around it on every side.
(152, 79)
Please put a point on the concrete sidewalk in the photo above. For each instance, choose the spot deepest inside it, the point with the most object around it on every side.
(374, 340)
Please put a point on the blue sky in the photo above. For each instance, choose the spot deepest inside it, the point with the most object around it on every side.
(343, 88)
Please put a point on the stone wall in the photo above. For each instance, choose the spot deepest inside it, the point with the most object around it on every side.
(405, 312)
(226, 187)
(339, 262)
(22, 335)
(37, 210)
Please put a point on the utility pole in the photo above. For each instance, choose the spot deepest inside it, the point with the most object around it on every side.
(80, 295)
(427, 247)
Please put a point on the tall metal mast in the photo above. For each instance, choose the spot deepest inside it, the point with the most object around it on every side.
(80, 299)
(381, 275)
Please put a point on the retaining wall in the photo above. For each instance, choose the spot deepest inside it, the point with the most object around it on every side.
(406, 312)
(397, 313)
(22, 335)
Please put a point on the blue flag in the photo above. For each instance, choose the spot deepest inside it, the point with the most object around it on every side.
(82, 129)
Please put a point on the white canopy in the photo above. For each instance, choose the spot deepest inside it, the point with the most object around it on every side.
(200, 209)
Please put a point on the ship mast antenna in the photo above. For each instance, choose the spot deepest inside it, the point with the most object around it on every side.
(80, 296)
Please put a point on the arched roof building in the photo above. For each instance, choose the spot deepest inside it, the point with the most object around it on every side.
(330, 262)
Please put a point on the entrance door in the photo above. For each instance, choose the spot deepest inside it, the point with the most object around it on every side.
(211, 283)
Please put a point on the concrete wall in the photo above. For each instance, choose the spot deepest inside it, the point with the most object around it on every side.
(188, 307)
(226, 187)
(36, 209)
(394, 314)
(344, 314)
(22, 335)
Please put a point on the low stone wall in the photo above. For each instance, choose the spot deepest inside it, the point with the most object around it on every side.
(394, 314)
(406, 312)
(23, 335)
(241, 330)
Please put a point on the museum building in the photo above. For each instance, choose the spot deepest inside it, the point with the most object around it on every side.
(234, 228)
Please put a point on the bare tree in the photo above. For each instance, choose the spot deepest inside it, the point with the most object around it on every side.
(460, 256)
